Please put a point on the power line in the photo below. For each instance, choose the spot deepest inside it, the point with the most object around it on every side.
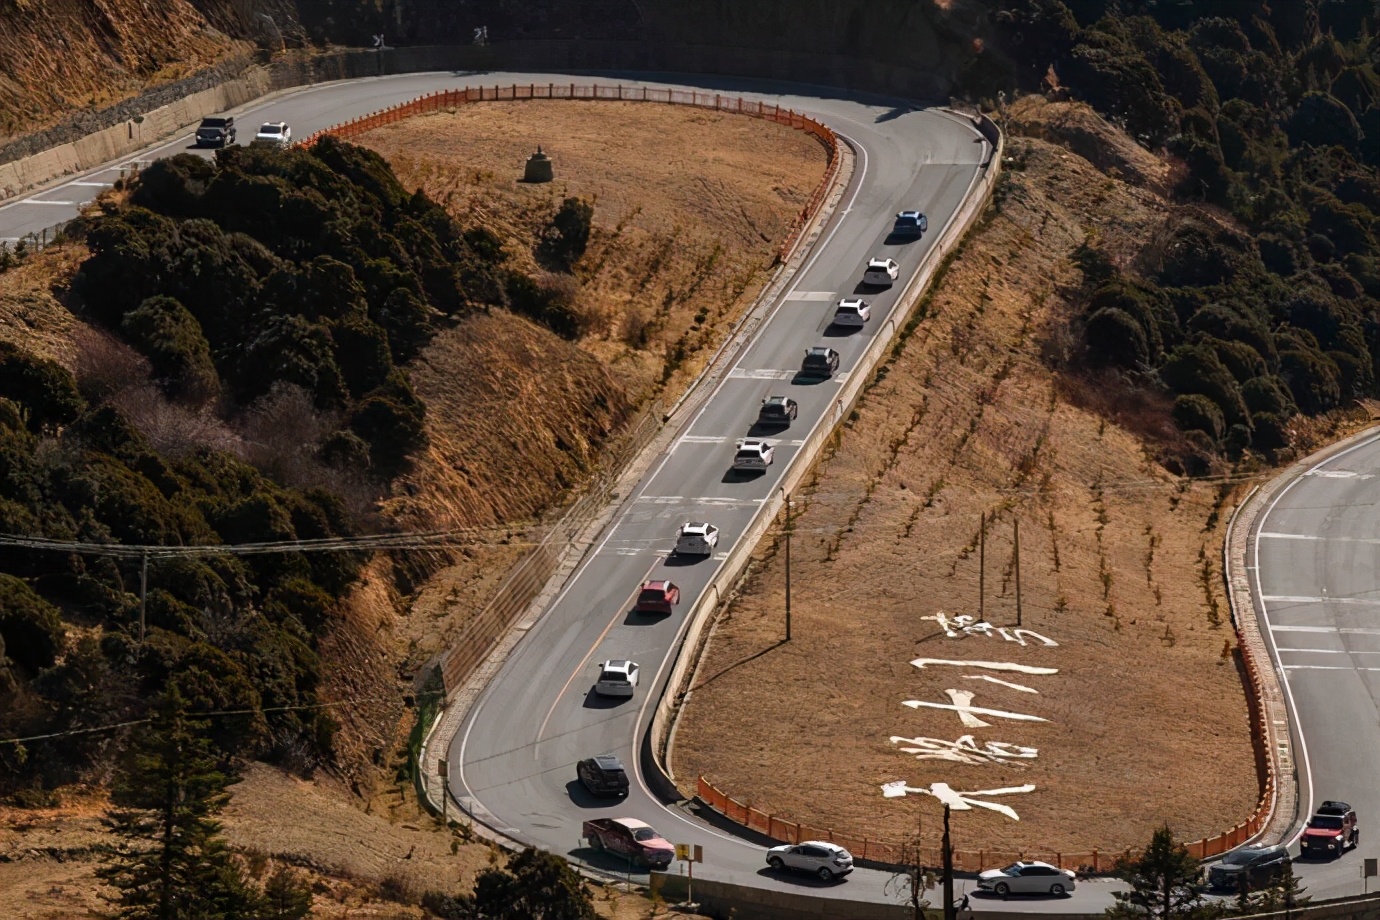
(220, 713)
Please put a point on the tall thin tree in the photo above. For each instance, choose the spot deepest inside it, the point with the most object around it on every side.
(173, 865)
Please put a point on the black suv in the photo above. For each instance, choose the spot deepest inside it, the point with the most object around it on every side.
(1259, 867)
(216, 132)
(777, 412)
(603, 775)
(820, 361)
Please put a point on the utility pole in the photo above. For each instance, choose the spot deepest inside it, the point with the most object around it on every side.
(982, 565)
(1017, 525)
(947, 853)
(143, 592)
(788, 564)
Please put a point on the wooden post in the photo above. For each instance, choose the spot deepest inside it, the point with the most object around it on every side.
(143, 593)
(947, 855)
(1017, 527)
(982, 564)
(788, 567)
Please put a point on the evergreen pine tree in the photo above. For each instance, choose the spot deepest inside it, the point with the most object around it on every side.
(285, 897)
(1162, 882)
(173, 866)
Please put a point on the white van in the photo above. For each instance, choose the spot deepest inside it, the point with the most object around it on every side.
(697, 540)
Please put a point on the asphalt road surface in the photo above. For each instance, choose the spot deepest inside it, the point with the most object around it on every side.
(513, 761)
(1315, 552)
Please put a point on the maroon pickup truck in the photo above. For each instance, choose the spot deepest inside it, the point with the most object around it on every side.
(631, 838)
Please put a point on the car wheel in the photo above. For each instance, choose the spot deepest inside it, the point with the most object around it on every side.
(1002, 889)
(776, 863)
(1057, 890)
(597, 842)
(825, 875)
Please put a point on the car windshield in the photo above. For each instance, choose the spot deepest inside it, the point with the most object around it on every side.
(651, 594)
(644, 833)
(1327, 822)
(1240, 858)
(749, 455)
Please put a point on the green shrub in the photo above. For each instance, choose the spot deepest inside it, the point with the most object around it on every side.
(30, 627)
(44, 388)
(171, 338)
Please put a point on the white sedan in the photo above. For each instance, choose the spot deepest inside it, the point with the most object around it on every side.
(1027, 878)
(617, 678)
(852, 311)
(275, 132)
(826, 860)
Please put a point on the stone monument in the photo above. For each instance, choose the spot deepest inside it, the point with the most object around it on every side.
(538, 168)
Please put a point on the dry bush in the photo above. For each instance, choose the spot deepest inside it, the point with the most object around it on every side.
(106, 367)
(174, 430)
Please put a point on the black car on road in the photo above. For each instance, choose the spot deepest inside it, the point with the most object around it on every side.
(218, 131)
(1256, 866)
(603, 775)
(820, 361)
(777, 411)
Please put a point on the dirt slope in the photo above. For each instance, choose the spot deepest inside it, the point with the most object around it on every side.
(92, 54)
(1119, 566)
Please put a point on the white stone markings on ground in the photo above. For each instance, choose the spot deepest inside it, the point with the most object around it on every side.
(760, 373)
(923, 663)
(968, 713)
(964, 750)
(956, 627)
(997, 680)
(958, 801)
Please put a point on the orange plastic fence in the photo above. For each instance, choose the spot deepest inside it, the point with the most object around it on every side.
(449, 99)
(779, 828)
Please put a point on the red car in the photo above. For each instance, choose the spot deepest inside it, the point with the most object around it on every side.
(657, 597)
(1331, 830)
(632, 838)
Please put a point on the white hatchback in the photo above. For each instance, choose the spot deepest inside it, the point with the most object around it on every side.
(826, 860)
(617, 678)
(852, 311)
(881, 272)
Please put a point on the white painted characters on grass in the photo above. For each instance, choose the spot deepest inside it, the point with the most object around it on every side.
(968, 713)
(923, 663)
(964, 750)
(960, 625)
(958, 801)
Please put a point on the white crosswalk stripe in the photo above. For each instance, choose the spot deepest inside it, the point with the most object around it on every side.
(760, 373)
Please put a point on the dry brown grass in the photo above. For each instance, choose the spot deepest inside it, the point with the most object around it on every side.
(31, 315)
(1120, 564)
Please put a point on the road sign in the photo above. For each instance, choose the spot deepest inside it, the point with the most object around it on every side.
(689, 853)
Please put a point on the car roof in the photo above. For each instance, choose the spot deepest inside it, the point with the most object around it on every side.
(909, 214)
(273, 124)
(879, 260)
(1333, 808)
(750, 443)
(821, 843)
(776, 400)
(617, 664)
(694, 528)
(660, 584)
(851, 302)
(630, 823)
(607, 762)
(819, 350)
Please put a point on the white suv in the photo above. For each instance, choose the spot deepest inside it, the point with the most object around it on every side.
(275, 132)
(881, 272)
(617, 678)
(852, 311)
(697, 540)
(753, 455)
(826, 860)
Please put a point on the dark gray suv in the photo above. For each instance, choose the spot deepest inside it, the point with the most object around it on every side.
(1256, 867)
(603, 775)
(216, 132)
(820, 361)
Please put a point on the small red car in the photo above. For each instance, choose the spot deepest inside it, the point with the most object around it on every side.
(657, 597)
(631, 838)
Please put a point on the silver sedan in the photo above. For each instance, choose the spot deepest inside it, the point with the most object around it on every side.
(1027, 878)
